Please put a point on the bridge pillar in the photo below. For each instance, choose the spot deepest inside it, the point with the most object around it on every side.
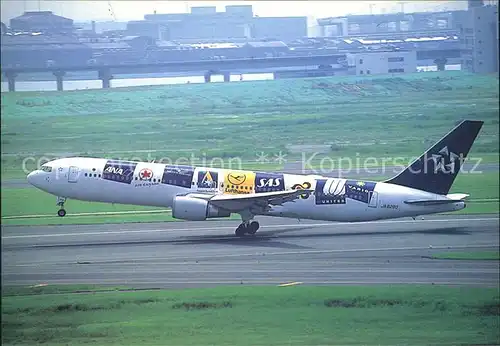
(11, 79)
(59, 79)
(208, 77)
(227, 76)
(105, 76)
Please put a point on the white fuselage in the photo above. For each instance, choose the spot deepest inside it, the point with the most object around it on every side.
(148, 185)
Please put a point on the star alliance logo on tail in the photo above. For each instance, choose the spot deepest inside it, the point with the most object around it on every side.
(445, 161)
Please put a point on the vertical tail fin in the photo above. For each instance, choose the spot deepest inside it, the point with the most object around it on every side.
(438, 167)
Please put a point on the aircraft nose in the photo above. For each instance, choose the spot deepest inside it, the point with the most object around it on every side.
(34, 178)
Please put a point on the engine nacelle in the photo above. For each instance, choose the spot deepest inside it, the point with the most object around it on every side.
(195, 209)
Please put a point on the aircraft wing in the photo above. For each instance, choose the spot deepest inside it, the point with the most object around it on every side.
(237, 203)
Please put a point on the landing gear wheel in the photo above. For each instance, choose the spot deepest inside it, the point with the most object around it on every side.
(247, 228)
(241, 230)
(60, 203)
(253, 227)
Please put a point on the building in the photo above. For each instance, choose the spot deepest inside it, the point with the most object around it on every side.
(279, 28)
(387, 24)
(43, 21)
(478, 33)
(382, 62)
(206, 24)
(40, 50)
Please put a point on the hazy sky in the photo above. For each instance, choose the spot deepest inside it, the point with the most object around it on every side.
(81, 10)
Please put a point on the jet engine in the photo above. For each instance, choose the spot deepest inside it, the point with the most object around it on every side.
(195, 209)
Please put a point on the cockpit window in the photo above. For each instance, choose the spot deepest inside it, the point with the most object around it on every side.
(46, 168)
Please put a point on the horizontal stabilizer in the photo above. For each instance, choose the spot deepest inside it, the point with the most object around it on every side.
(432, 201)
(457, 196)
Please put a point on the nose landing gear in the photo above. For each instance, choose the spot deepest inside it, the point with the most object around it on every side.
(60, 202)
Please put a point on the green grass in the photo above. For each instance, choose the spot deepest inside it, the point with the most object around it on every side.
(478, 255)
(377, 116)
(299, 315)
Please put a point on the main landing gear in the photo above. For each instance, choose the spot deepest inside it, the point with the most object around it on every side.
(247, 228)
(60, 202)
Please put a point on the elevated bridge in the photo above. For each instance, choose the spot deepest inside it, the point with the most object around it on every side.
(211, 67)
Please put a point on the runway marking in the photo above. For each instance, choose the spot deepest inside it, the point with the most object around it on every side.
(238, 282)
(38, 285)
(236, 272)
(232, 227)
(307, 252)
(86, 214)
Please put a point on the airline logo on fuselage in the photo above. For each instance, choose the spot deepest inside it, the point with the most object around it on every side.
(181, 176)
(267, 182)
(114, 170)
(119, 171)
(207, 180)
(236, 179)
(303, 186)
(239, 182)
(146, 174)
(271, 182)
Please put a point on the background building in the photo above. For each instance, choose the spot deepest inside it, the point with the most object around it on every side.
(205, 23)
(478, 32)
(43, 21)
(387, 24)
(383, 62)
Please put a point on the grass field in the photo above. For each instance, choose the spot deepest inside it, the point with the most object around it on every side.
(468, 256)
(297, 315)
(344, 116)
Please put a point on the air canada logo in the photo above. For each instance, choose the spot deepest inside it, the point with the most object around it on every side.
(146, 174)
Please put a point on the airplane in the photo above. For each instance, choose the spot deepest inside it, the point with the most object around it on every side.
(201, 193)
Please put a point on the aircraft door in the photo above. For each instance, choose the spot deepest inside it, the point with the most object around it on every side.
(73, 174)
(373, 200)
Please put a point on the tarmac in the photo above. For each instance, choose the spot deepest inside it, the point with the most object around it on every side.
(207, 254)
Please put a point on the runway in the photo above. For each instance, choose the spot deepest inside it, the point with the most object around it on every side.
(203, 254)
